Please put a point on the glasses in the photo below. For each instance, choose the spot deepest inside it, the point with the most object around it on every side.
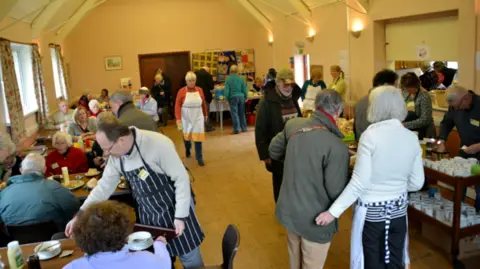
(110, 148)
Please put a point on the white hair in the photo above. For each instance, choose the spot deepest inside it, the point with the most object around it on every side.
(93, 103)
(234, 69)
(33, 163)
(62, 135)
(7, 144)
(386, 103)
(190, 76)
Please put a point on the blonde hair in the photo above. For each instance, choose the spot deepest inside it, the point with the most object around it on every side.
(337, 68)
(190, 76)
(77, 112)
(159, 77)
(316, 73)
(233, 69)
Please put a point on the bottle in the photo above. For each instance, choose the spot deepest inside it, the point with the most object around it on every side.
(15, 256)
(80, 142)
(33, 262)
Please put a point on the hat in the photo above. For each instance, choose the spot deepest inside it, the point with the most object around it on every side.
(286, 75)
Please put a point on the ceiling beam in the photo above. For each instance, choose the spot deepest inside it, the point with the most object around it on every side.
(75, 19)
(360, 6)
(5, 7)
(257, 14)
(302, 8)
(45, 16)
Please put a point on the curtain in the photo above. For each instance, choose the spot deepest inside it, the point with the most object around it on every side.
(40, 90)
(62, 69)
(12, 92)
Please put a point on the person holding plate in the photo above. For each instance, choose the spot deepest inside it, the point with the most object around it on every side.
(65, 155)
(159, 182)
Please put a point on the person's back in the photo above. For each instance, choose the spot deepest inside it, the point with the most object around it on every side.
(360, 121)
(205, 81)
(131, 116)
(235, 86)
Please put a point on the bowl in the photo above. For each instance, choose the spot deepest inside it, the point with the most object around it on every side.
(48, 250)
(139, 241)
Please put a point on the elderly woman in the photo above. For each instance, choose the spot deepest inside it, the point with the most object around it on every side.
(388, 166)
(65, 156)
(83, 126)
(94, 106)
(236, 92)
(191, 113)
(147, 104)
(419, 105)
(100, 232)
(10, 162)
(310, 90)
(338, 82)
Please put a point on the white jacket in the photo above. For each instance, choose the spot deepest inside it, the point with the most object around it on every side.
(150, 107)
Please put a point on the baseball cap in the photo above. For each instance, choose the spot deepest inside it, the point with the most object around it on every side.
(286, 75)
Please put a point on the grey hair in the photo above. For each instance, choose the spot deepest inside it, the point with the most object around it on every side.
(122, 96)
(386, 103)
(330, 101)
(33, 163)
(62, 135)
(234, 69)
(456, 92)
(92, 103)
(7, 144)
(190, 76)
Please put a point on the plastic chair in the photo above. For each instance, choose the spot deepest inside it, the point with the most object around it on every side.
(230, 244)
(32, 233)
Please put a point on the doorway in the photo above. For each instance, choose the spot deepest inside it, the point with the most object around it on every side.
(174, 65)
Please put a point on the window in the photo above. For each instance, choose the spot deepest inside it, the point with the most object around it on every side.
(59, 79)
(22, 59)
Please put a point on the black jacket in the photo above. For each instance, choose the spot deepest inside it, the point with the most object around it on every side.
(162, 100)
(269, 120)
(449, 75)
(205, 81)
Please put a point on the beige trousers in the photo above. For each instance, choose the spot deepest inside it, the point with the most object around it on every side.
(304, 254)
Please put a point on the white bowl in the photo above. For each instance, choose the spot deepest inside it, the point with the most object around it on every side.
(146, 237)
(49, 249)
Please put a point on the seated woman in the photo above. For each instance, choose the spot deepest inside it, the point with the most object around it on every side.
(147, 104)
(83, 126)
(101, 232)
(10, 162)
(94, 106)
(65, 156)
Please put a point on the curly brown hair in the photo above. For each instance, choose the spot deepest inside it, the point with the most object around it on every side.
(103, 227)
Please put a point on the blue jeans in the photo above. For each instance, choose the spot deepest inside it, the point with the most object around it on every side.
(237, 110)
(192, 260)
(477, 198)
(198, 149)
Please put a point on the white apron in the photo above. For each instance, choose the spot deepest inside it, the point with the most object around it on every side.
(193, 118)
(310, 95)
(359, 216)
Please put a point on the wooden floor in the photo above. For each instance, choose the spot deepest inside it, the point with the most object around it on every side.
(234, 187)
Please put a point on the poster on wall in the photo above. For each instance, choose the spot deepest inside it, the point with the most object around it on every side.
(422, 52)
(126, 83)
(209, 59)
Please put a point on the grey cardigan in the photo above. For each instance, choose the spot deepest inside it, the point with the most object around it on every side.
(74, 129)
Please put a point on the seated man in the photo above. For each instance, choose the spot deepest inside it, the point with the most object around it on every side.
(63, 115)
(30, 198)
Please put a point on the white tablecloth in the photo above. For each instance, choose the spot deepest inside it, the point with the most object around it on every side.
(216, 107)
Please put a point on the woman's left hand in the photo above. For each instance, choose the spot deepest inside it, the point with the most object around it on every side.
(324, 218)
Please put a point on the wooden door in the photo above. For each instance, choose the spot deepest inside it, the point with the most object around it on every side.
(173, 64)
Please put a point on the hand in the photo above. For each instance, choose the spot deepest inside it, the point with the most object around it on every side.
(441, 146)
(99, 162)
(472, 149)
(324, 218)
(162, 93)
(206, 118)
(69, 228)
(179, 122)
(161, 239)
(179, 226)
(267, 161)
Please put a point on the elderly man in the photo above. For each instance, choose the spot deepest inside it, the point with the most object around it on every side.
(29, 198)
(205, 81)
(63, 115)
(315, 174)
(10, 162)
(122, 105)
(160, 184)
(464, 114)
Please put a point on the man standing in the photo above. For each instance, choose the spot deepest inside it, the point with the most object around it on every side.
(464, 114)
(316, 172)
(205, 81)
(159, 183)
(122, 105)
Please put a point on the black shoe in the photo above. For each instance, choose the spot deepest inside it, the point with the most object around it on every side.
(201, 163)
(188, 153)
(210, 130)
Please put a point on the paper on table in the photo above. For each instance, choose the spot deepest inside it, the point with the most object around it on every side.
(66, 253)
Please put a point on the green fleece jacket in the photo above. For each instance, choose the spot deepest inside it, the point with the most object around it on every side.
(235, 86)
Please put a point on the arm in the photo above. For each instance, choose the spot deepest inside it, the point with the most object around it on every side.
(245, 89)
(278, 146)
(322, 84)
(106, 185)
(425, 118)
(303, 91)
(261, 128)
(417, 176)
(336, 172)
(161, 252)
(71, 130)
(139, 104)
(341, 88)
(151, 107)
(210, 83)
(204, 103)
(179, 102)
(360, 179)
(446, 125)
(68, 203)
(226, 89)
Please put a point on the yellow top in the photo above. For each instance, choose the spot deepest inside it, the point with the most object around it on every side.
(340, 86)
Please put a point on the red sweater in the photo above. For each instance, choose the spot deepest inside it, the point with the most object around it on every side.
(75, 160)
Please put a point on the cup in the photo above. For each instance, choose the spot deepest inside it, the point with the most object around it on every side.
(472, 161)
(66, 176)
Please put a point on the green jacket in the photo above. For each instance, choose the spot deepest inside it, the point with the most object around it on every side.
(235, 86)
(30, 199)
(315, 174)
(131, 116)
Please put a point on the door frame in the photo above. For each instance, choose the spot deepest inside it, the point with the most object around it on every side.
(160, 54)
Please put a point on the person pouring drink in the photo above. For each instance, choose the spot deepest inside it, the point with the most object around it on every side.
(159, 182)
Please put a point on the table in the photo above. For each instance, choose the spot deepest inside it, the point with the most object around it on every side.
(455, 230)
(219, 106)
(82, 193)
(55, 263)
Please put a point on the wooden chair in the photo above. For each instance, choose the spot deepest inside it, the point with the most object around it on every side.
(230, 244)
(33, 233)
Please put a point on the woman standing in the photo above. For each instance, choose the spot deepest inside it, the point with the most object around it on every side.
(379, 185)
(419, 105)
(190, 112)
(147, 104)
(338, 82)
(83, 126)
(310, 90)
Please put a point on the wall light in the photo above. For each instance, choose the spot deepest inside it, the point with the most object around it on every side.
(270, 39)
(357, 28)
(311, 34)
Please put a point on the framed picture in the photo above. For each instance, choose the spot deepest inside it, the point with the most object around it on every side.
(113, 63)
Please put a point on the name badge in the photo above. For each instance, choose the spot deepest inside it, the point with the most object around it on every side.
(143, 174)
(475, 122)
(55, 166)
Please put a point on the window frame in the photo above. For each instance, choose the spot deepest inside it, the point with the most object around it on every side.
(58, 75)
(22, 59)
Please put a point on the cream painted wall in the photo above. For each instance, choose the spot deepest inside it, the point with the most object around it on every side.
(128, 28)
(21, 32)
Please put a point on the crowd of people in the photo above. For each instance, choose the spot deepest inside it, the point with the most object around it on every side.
(302, 148)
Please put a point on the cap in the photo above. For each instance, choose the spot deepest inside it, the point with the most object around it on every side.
(286, 75)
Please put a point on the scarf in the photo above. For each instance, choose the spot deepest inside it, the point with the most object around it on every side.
(330, 117)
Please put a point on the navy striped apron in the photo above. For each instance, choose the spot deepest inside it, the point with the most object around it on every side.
(155, 197)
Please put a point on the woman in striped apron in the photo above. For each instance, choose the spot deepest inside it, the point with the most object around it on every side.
(191, 113)
(388, 165)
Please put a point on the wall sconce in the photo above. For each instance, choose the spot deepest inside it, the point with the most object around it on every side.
(357, 28)
(270, 39)
(311, 34)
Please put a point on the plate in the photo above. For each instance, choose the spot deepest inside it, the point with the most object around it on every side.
(75, 184)
(51, 253)
(141, 245)
(122, 185)
(92, 173)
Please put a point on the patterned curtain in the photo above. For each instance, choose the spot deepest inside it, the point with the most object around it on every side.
(40, 90)
(63, 72)
(12, 92)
